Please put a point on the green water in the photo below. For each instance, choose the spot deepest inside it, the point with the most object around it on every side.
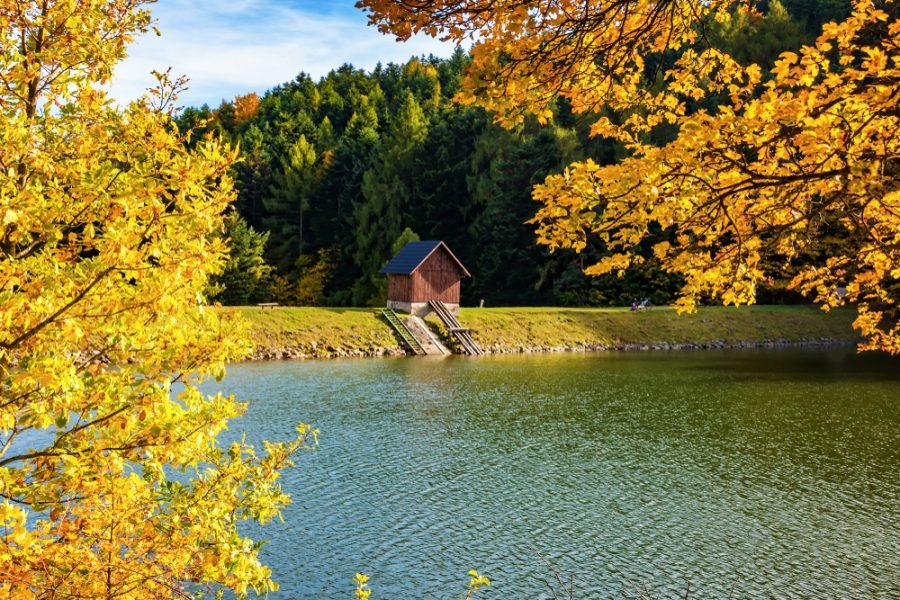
(776, 472)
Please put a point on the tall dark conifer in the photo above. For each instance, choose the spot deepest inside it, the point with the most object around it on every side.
(387, 193)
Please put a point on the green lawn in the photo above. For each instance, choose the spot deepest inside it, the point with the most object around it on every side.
(317, 331)
(555, 327)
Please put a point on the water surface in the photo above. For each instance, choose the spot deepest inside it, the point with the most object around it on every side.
(774, 471)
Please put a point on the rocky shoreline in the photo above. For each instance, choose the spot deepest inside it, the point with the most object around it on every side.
(313, 352)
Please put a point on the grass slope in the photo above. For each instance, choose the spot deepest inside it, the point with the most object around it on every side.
(621, 327)
(304, 332)
(307, 332)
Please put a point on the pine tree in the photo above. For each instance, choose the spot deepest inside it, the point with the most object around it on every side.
(387, 190)
(245, 275)
(292, 187)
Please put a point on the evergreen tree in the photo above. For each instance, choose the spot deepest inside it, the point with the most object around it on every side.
(291, 189)
(507, 266)
(341, 190)
(387, 190)
(814, 13)
(245, 276)
(253, 176)
(442, 207)
(761, 38)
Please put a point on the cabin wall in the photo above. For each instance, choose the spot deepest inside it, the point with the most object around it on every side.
(399, 288)
(436, 279)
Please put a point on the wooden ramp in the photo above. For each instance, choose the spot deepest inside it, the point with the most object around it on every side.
(405, 335)
(458, 331)
(424, 336)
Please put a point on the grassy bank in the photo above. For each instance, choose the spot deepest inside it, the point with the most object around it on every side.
(304, 332)
(307, 332)
(521, 328)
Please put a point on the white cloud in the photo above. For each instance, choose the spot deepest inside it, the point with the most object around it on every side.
(238, 46)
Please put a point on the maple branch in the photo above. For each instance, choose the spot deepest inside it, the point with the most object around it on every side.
(54, 316)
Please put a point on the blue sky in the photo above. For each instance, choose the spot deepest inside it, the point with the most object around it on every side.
(229, 47)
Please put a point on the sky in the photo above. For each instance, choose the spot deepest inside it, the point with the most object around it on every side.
(230, 47)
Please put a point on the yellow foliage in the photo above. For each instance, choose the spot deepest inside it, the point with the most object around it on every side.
(760, 180)
(476, 583)
(106, 242)
(362, 591)
(246, 106)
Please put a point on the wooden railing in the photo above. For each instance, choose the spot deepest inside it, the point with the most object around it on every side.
(402, 331)
(453, 326)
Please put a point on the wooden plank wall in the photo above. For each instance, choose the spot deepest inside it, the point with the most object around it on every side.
(437, 279)
(400, 288)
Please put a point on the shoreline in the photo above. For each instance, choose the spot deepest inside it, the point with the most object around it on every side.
(303, 333)
(398, 352)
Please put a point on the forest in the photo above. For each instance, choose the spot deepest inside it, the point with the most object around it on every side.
(336, 175)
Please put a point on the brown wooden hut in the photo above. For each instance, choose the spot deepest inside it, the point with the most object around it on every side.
(423, 271)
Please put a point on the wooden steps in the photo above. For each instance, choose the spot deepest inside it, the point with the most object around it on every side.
(455, 328)
(406, 336)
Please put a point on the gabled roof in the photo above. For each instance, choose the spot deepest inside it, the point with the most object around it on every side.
(414, 254)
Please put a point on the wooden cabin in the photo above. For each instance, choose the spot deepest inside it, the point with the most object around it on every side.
(420, 272)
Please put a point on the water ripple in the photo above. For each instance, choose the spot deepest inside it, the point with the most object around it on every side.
(778, 471)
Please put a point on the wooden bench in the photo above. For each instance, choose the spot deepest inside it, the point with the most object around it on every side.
(265, 305)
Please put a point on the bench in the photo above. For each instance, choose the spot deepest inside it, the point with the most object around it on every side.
(265, 305)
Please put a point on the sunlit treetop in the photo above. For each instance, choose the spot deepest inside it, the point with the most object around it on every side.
(527, 54)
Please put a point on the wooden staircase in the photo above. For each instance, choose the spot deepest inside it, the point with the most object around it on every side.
(406, 336)
(453, 326)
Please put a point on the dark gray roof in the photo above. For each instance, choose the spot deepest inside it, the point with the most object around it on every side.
(414, 254)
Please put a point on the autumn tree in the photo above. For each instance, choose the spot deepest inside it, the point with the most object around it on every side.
(752, 181)
(112, 484)
(246, 106)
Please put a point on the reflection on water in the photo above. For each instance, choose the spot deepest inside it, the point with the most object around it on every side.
(779, 470)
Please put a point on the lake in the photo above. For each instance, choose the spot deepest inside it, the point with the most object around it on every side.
(774, 472)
